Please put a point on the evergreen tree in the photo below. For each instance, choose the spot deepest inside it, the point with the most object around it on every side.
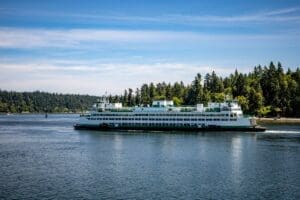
(195, 91)
(137, 96)
(168, 95)
(145, 95)
(125, 98)
(152, 91)
(267, 91)
(131, 100)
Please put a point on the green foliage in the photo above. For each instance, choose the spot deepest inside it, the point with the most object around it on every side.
(218, 97)
(266, 91)
(264, 111)
(196, 91)
(177, 101)
(255, 101)
(4, 107)
(43, 102)
(243, 101)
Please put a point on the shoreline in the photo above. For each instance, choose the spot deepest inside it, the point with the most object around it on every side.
(41, 113)
(282, 120)
(262, 120)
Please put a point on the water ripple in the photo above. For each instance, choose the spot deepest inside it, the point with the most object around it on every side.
(47, 159)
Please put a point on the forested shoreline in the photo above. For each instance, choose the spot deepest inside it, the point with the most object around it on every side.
(40, 102)
(265, 91)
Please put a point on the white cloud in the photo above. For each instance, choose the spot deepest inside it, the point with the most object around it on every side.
(89, 38)
(282, 11)
(260, 16)
(29, 38)
(276, 15)
(112, 75)
(95, 78)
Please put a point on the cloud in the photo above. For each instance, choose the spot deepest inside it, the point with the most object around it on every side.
(261, 16)
(29, 38)
(190, 52)
(68, 76)
(281, 11)
(25, 38)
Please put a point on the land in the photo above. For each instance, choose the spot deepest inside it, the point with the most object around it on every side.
(259, 120)
(283, 120)
(264, 92)
(42, 102)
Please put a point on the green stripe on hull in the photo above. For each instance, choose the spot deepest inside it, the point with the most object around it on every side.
(164, 128)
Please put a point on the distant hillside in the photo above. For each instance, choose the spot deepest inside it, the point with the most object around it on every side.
(17, 102)
(265, 91)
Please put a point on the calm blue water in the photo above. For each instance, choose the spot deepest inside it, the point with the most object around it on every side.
(46, 159)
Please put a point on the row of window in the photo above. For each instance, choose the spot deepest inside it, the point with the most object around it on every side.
(158, 124)
(179, 119)
(158, 114)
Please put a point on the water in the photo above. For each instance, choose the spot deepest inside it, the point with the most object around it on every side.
(46, 159)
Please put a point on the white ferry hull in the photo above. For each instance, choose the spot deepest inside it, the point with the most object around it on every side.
(226, 116)
(108, 127)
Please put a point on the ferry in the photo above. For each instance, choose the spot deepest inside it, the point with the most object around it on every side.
(163, 115)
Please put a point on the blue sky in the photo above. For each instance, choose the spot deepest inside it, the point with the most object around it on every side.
(90, 47)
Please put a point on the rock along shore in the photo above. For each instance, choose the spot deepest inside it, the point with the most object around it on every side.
(282, 120)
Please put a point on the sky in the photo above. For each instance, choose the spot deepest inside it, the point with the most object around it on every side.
(94, 47)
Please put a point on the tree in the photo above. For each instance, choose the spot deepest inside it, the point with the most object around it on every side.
(205, 96)
(265, 91)
(4, 108)
(177, 101)
(131, 100)
(270, 85)
(216, 84)
(196, 90)
(255, 101)
(152, 91)
(243, 101)
(264, 111)
(178, 90)
(125, 98)
(218, 97)
(168, 94)
(145, 97)
(161, 89)
(137, 97)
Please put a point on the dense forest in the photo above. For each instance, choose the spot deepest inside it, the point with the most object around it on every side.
(17, 102)
(265, 91)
